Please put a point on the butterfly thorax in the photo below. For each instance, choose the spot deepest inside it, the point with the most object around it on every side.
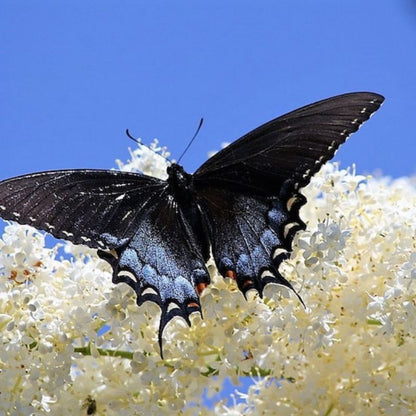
(180, 182)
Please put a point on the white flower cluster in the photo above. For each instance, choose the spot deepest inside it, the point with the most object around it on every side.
(74, 343)
(150, 160)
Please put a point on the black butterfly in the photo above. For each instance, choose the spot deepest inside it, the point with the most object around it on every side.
(242, 204)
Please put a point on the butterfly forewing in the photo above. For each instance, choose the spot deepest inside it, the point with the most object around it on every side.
(97, 208)
(292, 147)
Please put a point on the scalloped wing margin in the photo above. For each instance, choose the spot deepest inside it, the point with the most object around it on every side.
(162, 263)
(252, 235)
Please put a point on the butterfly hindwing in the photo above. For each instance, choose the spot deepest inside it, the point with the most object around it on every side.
(162, 262)
(251, 235)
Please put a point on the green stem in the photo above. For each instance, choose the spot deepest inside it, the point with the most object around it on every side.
(104, 352)
(86, 351)
(328, 412)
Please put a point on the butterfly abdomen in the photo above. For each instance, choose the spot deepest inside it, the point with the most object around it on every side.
(182, 193)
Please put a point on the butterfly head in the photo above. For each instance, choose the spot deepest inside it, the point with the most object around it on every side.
(179, 181)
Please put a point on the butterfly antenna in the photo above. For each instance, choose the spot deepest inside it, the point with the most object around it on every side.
(132, 138)
(138, 141)
(193, 138)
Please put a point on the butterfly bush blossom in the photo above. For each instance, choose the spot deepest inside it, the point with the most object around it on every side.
(69, 336)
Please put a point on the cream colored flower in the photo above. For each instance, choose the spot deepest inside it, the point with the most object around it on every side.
(69, 336)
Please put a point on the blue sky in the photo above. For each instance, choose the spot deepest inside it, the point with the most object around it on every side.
(76, 74)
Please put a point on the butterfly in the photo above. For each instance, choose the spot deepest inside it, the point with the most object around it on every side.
(242, 205)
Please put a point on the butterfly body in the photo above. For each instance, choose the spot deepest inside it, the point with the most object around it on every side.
(241, 206)
(182, 192)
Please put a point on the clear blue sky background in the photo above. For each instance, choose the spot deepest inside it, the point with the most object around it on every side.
(75, 74)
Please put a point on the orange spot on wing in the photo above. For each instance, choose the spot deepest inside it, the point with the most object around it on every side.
(193, 305)
(231, 274)
(200, 287)
(247, 283)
